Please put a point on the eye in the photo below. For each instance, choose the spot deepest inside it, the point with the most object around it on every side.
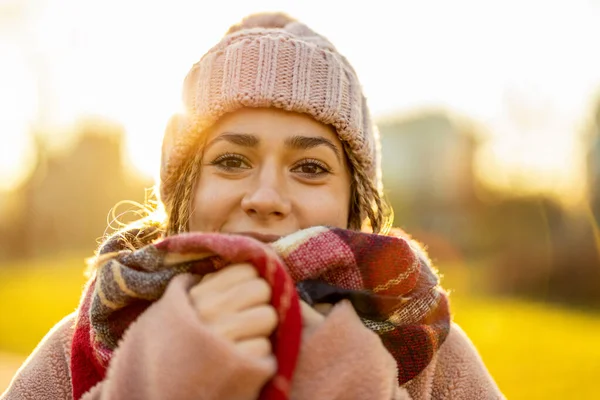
(230, 162)
(311, 168)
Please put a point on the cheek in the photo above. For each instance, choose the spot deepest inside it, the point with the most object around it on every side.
(326, 207)
(212, 205)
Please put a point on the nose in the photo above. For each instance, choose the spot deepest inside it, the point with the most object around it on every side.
(266, 198)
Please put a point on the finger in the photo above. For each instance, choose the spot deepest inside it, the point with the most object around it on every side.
(208, 276)
(223, 280)
(323, 308)
(240, 297)
(257, 347)
(256, 322)
(310, 317)
(270, 364)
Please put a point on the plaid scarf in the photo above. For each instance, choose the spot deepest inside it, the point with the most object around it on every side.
(388, 279)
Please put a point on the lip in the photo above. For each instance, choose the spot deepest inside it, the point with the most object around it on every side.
(262, 237)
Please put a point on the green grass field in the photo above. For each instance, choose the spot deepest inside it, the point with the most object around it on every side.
(534, 351)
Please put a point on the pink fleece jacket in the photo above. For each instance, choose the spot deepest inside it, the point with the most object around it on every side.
(169, 354)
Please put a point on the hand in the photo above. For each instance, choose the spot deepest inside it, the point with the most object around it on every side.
(234, 304)
(312, 317)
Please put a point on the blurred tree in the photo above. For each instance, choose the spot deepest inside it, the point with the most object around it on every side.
(592, 141)
(543, 251)
(521, 245)
(519, 231)
(575, 277)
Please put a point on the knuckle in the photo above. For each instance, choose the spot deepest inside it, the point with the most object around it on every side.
(203, 314)
(221, 329)
(263, 346)
(245, 268)
(206, 311)
(196, 293)
(265, 343)
(261, 287)
(270, 314)
(263, 284)
(208, 276)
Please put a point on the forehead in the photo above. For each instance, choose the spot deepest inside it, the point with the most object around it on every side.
(272, 124)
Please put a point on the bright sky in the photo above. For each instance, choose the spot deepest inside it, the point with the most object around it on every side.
(526, 70)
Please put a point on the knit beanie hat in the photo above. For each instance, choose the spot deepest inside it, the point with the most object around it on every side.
(272, 60)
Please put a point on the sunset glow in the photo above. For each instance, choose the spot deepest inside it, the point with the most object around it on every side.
(527, 71)
(18, 94)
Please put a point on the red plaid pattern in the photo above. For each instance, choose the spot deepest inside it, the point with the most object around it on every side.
(388, 279)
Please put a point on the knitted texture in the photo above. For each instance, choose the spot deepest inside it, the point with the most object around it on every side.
(271, 60)
(387, 279)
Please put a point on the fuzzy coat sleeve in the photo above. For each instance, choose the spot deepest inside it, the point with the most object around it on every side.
(344, 360)
(46, 374)
(456, 372)
(168, 353)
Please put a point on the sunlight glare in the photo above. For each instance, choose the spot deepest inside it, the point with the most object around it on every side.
(464, 62)
(18, 105)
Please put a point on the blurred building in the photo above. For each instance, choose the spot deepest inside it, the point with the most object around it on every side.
(427, 162)
(428, 158)
(66, 204)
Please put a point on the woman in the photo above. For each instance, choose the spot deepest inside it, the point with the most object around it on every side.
(273, 275)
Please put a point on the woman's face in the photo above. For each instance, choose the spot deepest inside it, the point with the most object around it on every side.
(270, 172)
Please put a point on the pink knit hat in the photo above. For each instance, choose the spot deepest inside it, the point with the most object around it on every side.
(272, 60)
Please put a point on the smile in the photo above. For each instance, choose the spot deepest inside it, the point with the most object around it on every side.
(262, 237)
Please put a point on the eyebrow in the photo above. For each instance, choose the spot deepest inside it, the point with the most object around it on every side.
(241, 139)
(308, 142)
(296, 142)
